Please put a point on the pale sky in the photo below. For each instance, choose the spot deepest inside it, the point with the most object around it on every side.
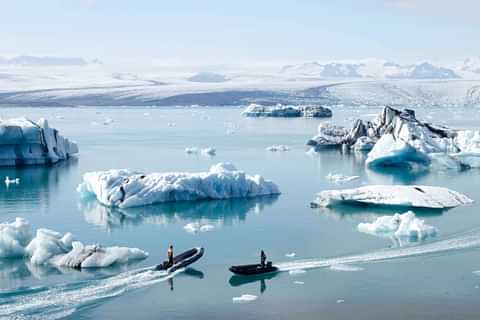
(240, 32)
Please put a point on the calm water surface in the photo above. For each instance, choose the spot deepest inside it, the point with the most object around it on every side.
(436, 285)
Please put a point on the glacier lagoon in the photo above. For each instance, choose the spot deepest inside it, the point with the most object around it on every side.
(428, 279)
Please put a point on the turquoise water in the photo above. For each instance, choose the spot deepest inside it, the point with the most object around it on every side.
(428, 280)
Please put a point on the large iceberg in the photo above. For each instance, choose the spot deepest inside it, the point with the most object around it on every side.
(256, 110)
(406, 226)
(51, 247)
(393, 195)
(125, 188)
(25, 142)
(398, 138)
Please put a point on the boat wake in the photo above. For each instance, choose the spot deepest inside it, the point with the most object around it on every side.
(62, 300)
(465, 241)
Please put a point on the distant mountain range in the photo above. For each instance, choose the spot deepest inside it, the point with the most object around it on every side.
(45, 61)
(379, 69)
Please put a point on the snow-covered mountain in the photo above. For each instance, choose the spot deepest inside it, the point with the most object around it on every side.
(374, 69)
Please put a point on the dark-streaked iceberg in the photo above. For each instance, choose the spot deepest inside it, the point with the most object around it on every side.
(398, 138)
(25, 142)
(126, 188)
(309, 111)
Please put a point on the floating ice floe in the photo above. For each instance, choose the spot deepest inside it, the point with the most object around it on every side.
(244, 298)
(126, 188)
(393, 195)
(195, 227)
(256, 110)
(290, 255)
(206, 151)
(279, 148)
(25, 142)
(398, 138)
(405, 225)
(299, 282)
(51, 247)
(340, 178)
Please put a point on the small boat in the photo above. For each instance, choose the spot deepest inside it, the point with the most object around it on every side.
(182, 260)
(253, 269)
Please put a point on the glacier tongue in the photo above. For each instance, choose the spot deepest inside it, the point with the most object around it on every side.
(393, 195)
(125, 188)
(24, 142)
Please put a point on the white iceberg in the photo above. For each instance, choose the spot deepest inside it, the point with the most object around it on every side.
(340, 178)
(51, 247)
(25, 142)
(277, 148)
(256, 110)
(125, 188)
(209, 151)
(405, 225)
(364, 144)
(14, 237)
(393, 195)
(329, 136)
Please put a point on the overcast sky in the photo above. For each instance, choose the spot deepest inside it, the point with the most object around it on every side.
(240, 32)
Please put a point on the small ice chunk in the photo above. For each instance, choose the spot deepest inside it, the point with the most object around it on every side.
(340, 178)
(299, 282)
(340, 301)
(14, 237)
(290, 255)
(107, 121)
(278, 148)
(345, 267)
(191, 150)
(209, 151)
(405, 225)
(244, 298)
(9, 181)
(195, 227)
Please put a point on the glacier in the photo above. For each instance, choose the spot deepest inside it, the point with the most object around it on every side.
(126, 188)
(405, 225)
(25, 142)
(51, 247)
(394, 196)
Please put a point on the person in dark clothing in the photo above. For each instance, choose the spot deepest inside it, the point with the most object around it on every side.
(263, 258)
(170, 255)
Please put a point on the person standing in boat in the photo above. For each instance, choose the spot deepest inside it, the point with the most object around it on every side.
(263, 258)
(170, 255)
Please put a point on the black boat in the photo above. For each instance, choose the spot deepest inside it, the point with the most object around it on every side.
(182, 260)
(253, 269)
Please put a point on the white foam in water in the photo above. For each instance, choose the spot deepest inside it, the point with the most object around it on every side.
(296, 271)
(244, 298)
(61, 299)
(345, 267)
(458, 243)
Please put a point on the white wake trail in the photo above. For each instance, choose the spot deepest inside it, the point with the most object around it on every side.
(456, 243)
(56, 302)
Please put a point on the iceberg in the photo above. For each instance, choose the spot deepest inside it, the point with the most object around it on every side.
(126, 188)
(398, 138)
(51, 247)
(206, 151)
(244, 298)
(405, 225)
(25, 142)
(256, 110)
(393, 195)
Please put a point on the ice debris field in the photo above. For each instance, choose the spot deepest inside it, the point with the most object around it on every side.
(127, 188)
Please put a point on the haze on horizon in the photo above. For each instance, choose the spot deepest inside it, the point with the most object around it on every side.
(214, 32)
